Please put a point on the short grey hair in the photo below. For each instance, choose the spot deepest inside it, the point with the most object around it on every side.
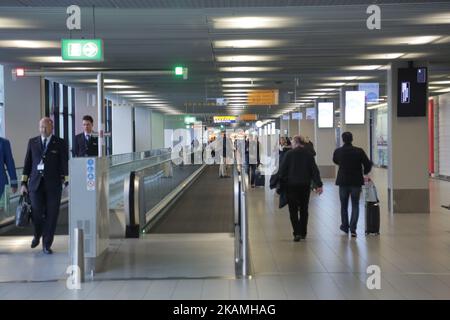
(298, 141)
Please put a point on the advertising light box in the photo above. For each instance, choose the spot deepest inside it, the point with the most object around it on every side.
(355, 107)
(310, 113)
(325, 112)
(297, 116)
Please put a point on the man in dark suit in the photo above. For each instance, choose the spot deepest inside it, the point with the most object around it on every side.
(6, 159)
(85, 144)
(352, 162)
(45, 171)
(297, 170)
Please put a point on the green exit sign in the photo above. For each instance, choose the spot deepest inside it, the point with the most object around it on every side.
(82, 49)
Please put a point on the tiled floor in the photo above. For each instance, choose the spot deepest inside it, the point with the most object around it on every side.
(412, 252)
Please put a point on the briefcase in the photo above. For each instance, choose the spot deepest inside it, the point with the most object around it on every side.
(23, 211)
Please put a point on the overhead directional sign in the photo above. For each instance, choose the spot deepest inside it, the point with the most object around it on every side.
(82, 49)
(224, 119)
(262, 97)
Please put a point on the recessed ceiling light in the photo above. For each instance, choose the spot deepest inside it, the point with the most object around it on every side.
(249, 43)
(440, 82)
(47, 59)
(407, 40)
(105, 81)
(248, 69)
(240, 85)
(119, 86)
(240, 79)
(246, 58)
(332, 84)
(254, 22)
(365, 68)
(28, 44)
(381, 56)
(443, 90)
(10, 23)
(436, 18)
(237, 90)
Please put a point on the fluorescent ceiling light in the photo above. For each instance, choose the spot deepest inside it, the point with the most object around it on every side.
(119, 86)
(381, 56)
(254, 22)
(246, 58)
(309, 97)
(436, 18)
(250, 43)
(324, 89)
(365, 68)
(234, 95)
(440, 82)
(407, 40)
(72, 68)
(240, 79)
(47, 59)
(28, 44)
(332, 84)
(237, 90)
(443, 90)
(105, 81)
(248, 69)
(240, 85)
(139, 96)
(127, 92)
(11, 23)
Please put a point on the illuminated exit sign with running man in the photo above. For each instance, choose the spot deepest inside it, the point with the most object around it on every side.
(82, 49)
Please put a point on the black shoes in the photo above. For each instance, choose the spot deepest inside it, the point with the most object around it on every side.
(343, 229)
(297, 238)
(47, 251)
(353, 234)
(34, 243)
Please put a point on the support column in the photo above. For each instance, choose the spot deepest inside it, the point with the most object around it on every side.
(100, 114)
(293, 126)
(307, 127)
(408, 181)
(325, 144)
(361, 137)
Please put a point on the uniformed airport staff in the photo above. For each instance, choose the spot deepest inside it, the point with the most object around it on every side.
(7, 160)
(45, 171)
(85, 144)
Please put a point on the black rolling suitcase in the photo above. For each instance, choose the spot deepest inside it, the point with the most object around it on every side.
(372, 218)
(372, 209)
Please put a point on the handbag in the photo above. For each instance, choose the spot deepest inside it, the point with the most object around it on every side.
(23, 211)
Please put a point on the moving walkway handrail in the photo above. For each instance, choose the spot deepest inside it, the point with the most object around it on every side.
(242, 254)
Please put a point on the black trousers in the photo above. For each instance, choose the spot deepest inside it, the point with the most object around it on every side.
(45, 203)
(298, 200)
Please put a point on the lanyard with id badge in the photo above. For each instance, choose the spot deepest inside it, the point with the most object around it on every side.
(41, 165)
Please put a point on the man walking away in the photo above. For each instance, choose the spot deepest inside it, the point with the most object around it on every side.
(352, 162)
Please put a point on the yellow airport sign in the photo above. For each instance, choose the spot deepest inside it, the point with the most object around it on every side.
(262, 97)
(224, 119)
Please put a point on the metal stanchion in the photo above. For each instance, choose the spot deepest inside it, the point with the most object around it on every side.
(78, 252)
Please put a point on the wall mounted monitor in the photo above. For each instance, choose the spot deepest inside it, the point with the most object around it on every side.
(325, 112)
(297, 116)
(412, 92)
(310, 113)
(355, 107)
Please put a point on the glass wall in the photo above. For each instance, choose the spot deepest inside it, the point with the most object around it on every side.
(60, 107)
